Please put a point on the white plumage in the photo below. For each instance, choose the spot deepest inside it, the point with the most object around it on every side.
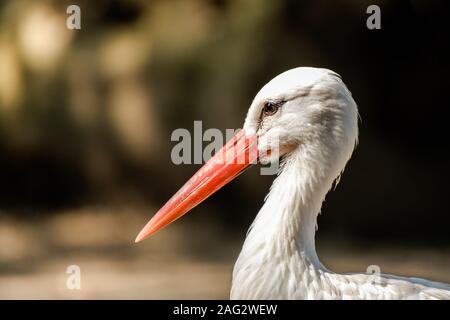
(317, 130)
(308, 118)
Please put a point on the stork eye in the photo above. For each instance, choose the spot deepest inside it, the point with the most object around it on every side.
(271, 107)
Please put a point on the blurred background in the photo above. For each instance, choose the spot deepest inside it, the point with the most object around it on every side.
(86, 117)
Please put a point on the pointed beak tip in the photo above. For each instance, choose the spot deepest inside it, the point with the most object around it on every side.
(237, 155)
(144, 234)
(138, 239)
(141, 238)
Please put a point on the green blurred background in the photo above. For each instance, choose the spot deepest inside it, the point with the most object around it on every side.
(86, 118)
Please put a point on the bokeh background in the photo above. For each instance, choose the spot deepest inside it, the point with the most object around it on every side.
(86, 118)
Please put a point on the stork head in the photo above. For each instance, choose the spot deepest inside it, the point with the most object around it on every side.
(304, 110)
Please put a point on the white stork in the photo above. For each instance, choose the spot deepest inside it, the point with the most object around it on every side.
(313, 119)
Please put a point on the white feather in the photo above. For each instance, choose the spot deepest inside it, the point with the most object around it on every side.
(317, 130)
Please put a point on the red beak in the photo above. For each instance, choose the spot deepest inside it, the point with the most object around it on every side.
(231, 160)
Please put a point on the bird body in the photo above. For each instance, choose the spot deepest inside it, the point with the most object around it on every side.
(279, 261)
(307, 118)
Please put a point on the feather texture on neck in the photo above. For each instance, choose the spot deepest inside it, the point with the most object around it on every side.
(279, 256)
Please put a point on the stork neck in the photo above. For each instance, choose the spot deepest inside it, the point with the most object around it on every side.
(288, 219)
(280, 246)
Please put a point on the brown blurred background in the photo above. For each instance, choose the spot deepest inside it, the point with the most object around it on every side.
(86, 118)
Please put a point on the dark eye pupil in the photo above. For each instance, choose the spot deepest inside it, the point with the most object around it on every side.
(270, 108)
